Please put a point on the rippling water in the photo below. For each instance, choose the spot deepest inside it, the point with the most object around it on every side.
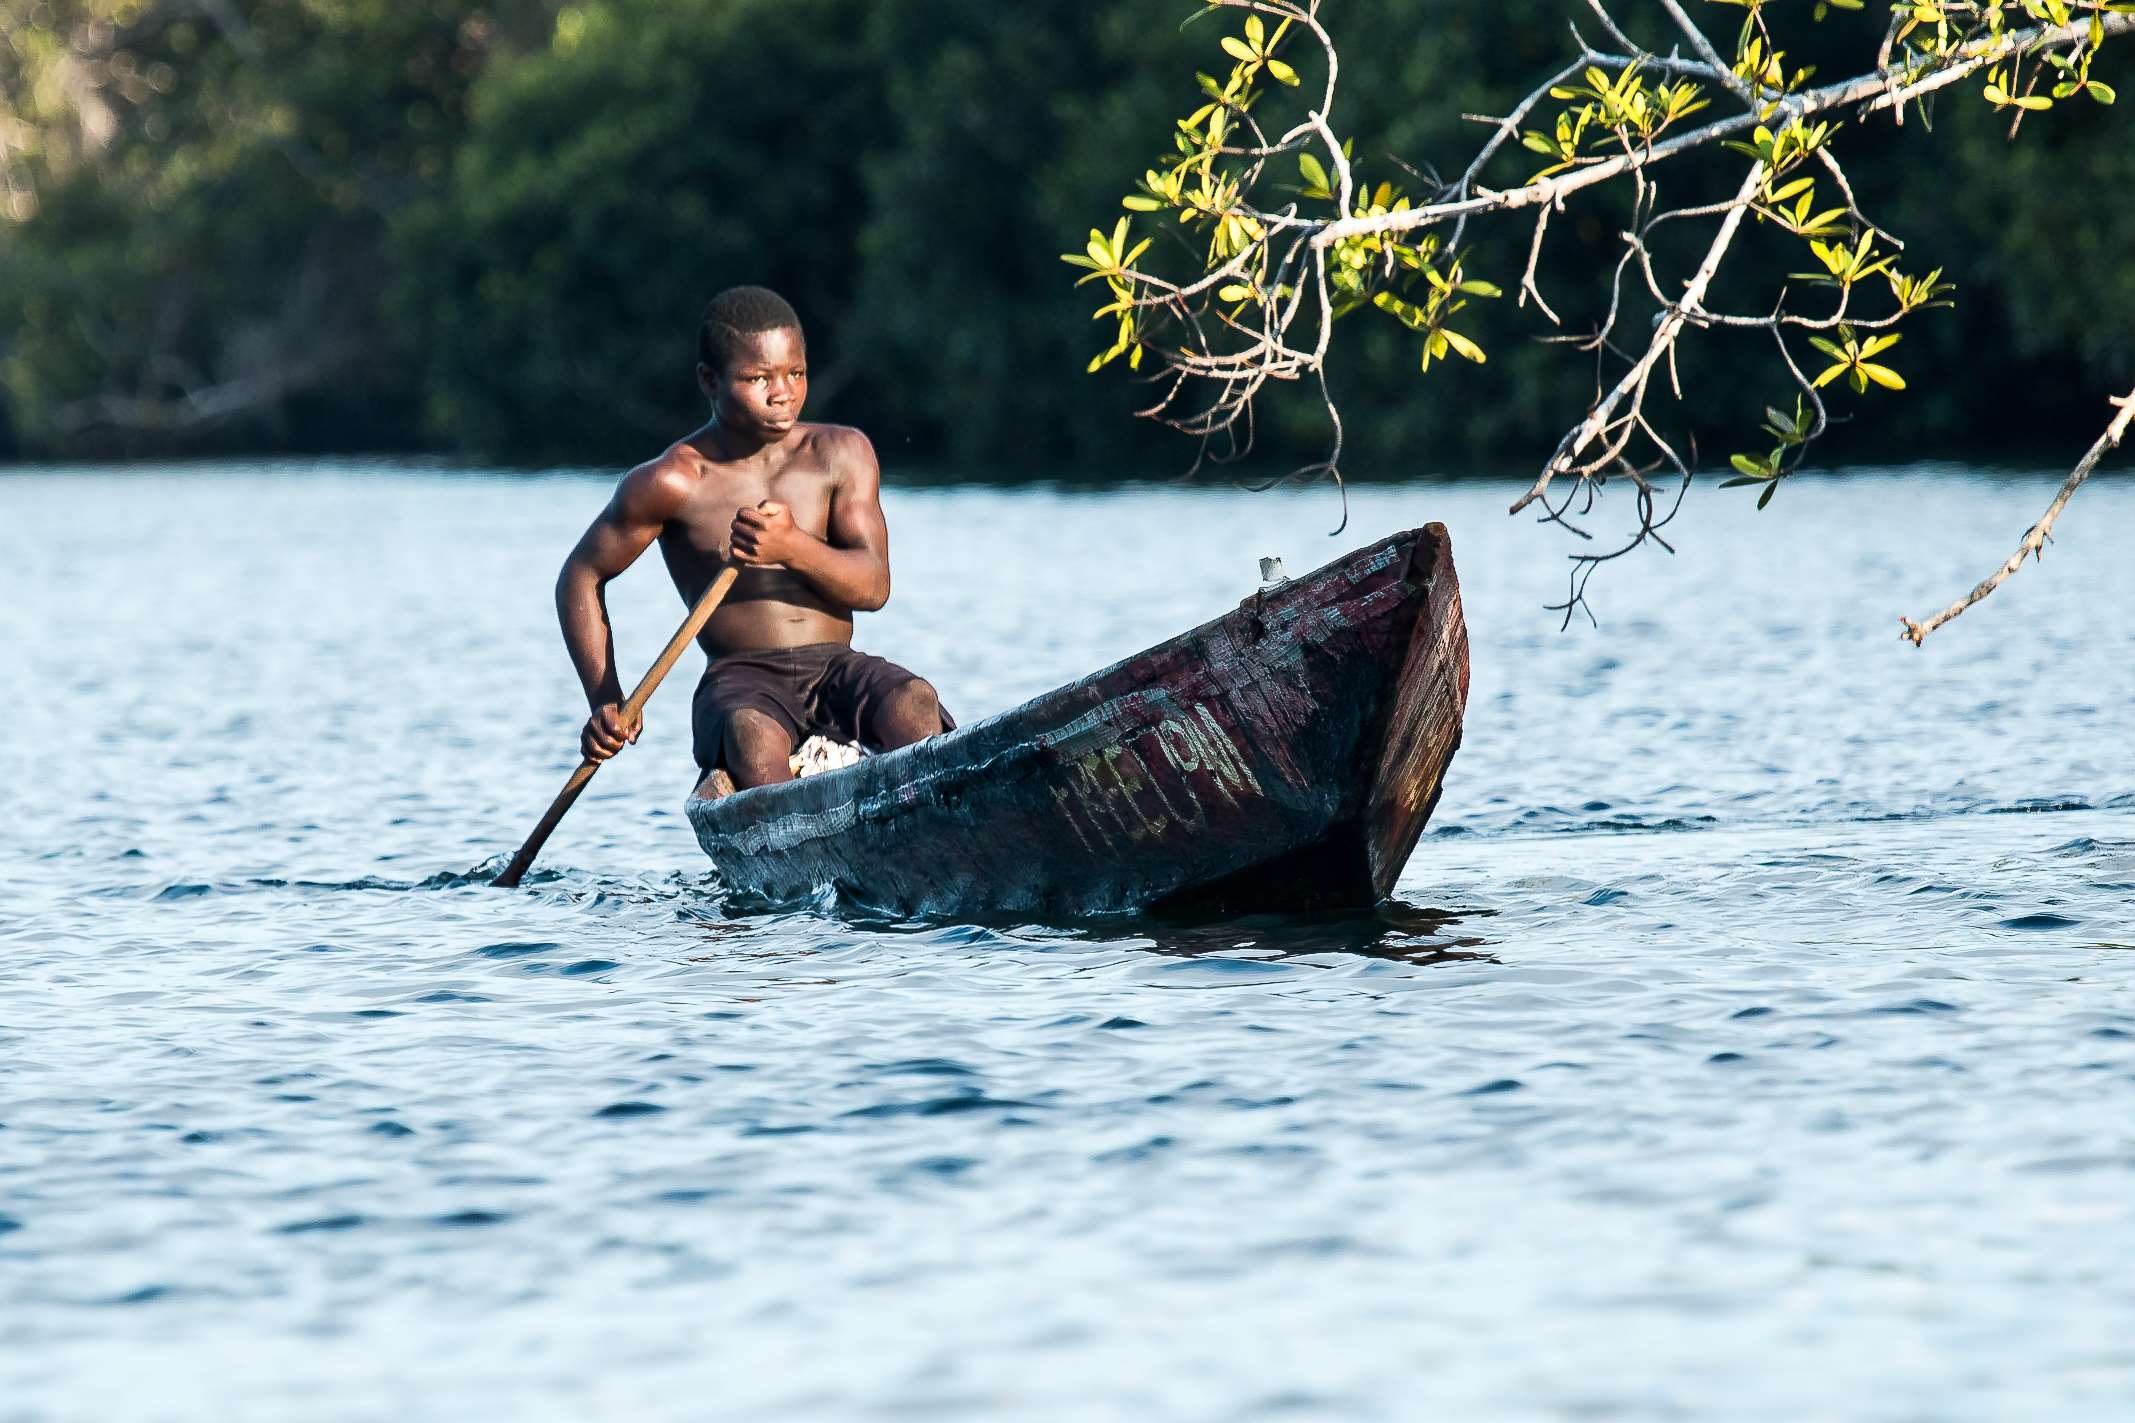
(1753, 1035)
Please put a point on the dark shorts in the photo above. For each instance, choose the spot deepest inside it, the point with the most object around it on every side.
(823, 689)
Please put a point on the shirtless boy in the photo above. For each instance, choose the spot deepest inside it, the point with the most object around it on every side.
(799, 508)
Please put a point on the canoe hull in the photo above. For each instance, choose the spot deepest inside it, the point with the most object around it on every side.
(1283, 757)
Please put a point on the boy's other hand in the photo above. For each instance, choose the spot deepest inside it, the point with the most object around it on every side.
(606, 733)
(764, 536)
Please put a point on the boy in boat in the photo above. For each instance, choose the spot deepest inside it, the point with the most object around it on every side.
(798, 506)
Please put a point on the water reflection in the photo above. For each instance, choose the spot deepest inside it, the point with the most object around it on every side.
(1395, 929)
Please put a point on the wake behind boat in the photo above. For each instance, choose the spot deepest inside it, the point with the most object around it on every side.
(1283, 757)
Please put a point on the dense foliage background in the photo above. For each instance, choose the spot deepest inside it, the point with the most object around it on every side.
(489, 227)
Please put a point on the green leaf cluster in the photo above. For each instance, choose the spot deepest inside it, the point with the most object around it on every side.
(1790, 434)
(1853, 356)
(1610, 113)
(1204, 184)
(1110, 260)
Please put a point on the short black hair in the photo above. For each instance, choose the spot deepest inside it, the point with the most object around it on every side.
(736, 314)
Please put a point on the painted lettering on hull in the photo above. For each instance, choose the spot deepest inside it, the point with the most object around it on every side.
(1150, 783)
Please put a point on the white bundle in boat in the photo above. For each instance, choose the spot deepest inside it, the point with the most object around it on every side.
(816, 755)
(819, 754)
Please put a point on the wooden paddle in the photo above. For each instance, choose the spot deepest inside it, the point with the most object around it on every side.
(631, 711)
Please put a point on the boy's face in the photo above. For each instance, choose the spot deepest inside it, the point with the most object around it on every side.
(764, 385)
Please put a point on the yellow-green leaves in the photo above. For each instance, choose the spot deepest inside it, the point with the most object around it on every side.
(1919, 293)
(1784, 147)
(1621, 100)
(1217, 197)
(1254, 54)
(1315, 175)
(1760, 67)
(2076, 70)
(1195, 186)
(1844, 265)
(1793, 206)
(1256, 50)
(1210, 123)
(1916, 13)
(1439, 342)
(1107, 258)
(1203, 183)
(1997, 93)
(1444, 295)
(1852, 358)
(1679, 100)
(1624, 109)
(1155, 192)
(1240, 295)
(1562, 145)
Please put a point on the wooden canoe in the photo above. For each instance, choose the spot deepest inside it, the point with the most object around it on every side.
(1283, 757)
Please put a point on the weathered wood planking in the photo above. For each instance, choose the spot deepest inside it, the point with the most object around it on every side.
(1282, 757)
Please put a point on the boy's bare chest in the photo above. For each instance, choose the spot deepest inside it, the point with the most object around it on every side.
(806, 490)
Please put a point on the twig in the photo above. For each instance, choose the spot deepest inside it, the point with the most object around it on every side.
(2036, 537)
(1633, 384)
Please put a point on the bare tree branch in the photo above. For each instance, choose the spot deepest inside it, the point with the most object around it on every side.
(1869, 92)
(2037, 536)
(1632, 386)
(1222, 331)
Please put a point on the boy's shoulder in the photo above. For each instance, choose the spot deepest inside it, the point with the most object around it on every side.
(681, 465)
(837, 441)
(845, 453)
(664, 483)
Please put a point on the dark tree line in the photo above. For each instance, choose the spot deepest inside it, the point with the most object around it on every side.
(487, 229)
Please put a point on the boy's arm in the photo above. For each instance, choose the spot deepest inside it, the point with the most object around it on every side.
(851, 568)
(643, 502)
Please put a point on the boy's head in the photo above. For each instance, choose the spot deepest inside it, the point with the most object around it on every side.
(752, 360)
(737, 314)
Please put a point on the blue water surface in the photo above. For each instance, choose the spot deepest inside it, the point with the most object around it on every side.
(1753, 1035)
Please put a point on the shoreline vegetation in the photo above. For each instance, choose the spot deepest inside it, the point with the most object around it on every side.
(934, 474)
(482, 232)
